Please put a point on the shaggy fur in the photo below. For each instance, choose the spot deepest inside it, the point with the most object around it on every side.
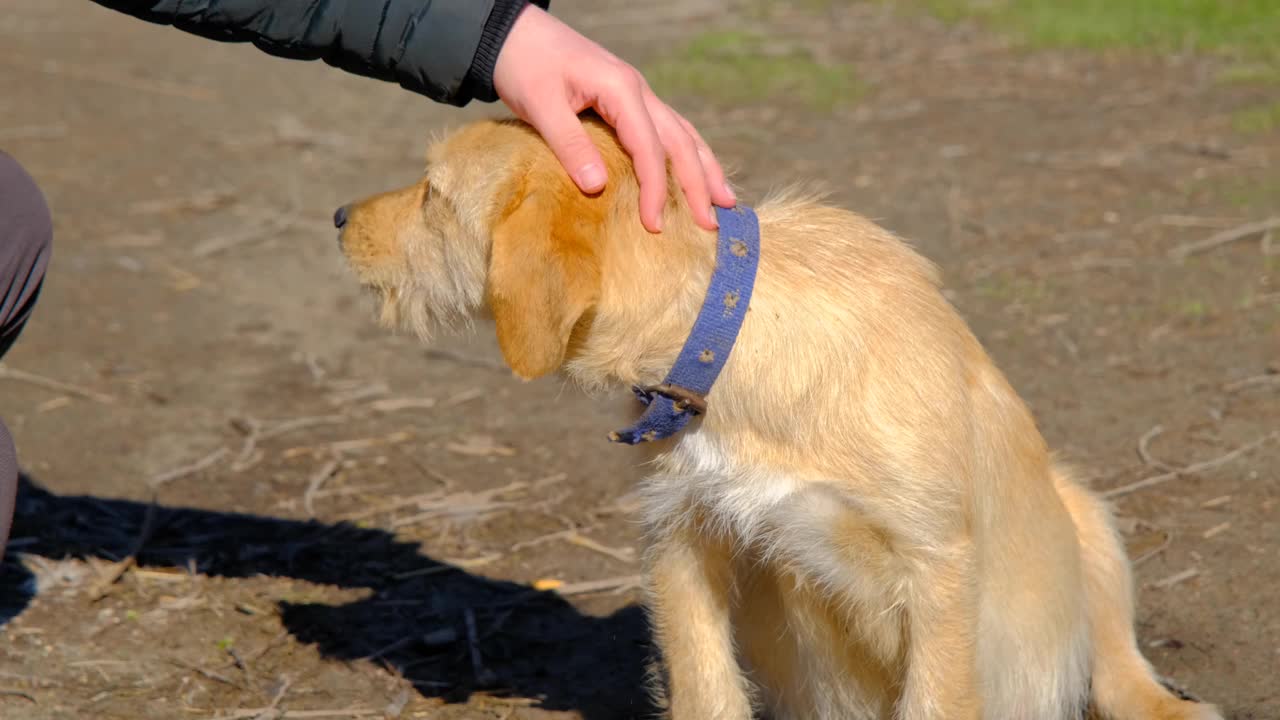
(866, 523)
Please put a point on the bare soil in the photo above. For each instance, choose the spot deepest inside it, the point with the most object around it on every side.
(347, 524)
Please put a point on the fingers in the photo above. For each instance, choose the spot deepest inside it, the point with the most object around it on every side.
(717, 183)
(624, 108)
(685, 161)
(568, 140)
(547, 73)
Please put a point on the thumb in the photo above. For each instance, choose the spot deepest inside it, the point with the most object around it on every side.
(568, 139)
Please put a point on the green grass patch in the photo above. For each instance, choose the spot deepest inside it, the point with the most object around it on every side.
(1250, 73)
(1263, 119)
(1194, 309)
(736, 67)
(1247, 27)
(1246, 193)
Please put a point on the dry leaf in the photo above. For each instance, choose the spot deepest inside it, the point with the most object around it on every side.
(479, 446)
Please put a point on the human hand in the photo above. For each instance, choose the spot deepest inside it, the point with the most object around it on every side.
(547, 73)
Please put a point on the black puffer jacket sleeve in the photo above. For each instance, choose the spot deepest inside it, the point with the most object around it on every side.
(443, 49)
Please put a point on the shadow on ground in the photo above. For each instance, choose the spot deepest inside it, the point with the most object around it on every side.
(417, 617)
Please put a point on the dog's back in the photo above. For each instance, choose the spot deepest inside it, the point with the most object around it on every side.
(870, 464)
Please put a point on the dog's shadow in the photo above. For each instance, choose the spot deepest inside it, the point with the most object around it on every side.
(449, 632)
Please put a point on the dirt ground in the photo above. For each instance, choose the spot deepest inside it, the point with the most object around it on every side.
(348, 524)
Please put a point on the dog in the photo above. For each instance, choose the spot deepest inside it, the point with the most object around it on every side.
(865, 522)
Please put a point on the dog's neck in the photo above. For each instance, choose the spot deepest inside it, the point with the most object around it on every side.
(683, 393)
(653, 288)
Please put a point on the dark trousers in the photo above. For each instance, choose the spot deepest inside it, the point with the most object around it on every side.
(26, 237)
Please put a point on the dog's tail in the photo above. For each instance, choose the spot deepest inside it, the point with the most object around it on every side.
(1124, 685)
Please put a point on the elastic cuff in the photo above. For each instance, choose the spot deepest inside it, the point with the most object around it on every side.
(479, 80)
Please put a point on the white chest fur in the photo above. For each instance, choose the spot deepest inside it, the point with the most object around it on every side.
(699, 476)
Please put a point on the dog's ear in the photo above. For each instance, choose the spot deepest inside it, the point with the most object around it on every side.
(544, 272)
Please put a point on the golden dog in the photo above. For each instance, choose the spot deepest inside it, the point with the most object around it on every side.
(866, 523)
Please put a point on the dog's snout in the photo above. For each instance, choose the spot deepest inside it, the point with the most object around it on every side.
(340, 217)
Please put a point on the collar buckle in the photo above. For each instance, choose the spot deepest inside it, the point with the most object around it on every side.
(683, 399)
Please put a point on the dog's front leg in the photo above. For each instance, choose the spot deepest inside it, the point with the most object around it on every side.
(941, 681)
(690, 589)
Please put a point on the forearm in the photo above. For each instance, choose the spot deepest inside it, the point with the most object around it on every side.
(443, 49)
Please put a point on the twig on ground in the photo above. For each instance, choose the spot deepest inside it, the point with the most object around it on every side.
(482, 674)
(314, 367)
(433, 474)
(8, 373)
(1189, 221)
(270, 712)
(1176, 578)
(1255, 381)
(398, 644)
(350, 391)
(616, 584)
(1168, 540)
(257, 654)
(318, 480)
(1071, 347)
(389, 405)
(343, 491)
(251, 428)
(423, 572)
(354, 393)
(1144, 451)
(298, 714)
(1240, 232)
(103, 586)
(626, 555)
(464, 397)
(295, 714)
(550, 537)
(17, 693)
(475, 562)
(392, 506)
(1191, 469)
(288, 426)
(1268, 244)
(195, 467)
(397, 704)
(205, 672)
(343, 446)
(1216, 530)
(470, 505)
(37, 680)
(256, 430)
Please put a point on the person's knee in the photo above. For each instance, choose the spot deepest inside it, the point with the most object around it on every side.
(25, 212)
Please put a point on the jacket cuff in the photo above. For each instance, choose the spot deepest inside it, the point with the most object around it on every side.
(479, 80)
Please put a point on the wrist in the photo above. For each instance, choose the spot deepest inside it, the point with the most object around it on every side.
(502, 19)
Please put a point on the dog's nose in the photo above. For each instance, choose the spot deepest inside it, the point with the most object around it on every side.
(340, 217)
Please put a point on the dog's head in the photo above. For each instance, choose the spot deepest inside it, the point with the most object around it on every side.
(496, 227)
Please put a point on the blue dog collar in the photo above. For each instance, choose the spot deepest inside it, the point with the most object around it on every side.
(672, 403)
